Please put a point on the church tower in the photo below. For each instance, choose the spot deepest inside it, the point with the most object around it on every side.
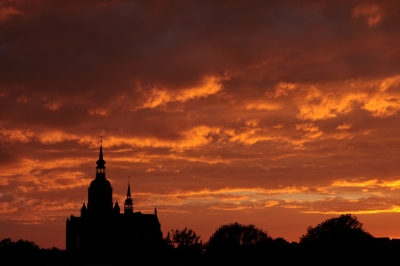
(102, 229)
(128, 206)
(100, 190)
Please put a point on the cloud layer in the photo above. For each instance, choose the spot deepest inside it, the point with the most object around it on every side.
(276, 114)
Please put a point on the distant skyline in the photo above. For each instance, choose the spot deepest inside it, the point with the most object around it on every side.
(281, 114)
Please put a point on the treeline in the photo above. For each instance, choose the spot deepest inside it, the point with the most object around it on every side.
(27, 249)
(334, 240)
(341, 239)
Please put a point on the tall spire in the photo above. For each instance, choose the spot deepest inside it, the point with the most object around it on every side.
(100, 190)
(100, 162)
(128, 193)
(128, 206)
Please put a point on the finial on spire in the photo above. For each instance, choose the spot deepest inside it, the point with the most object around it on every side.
(100, 162)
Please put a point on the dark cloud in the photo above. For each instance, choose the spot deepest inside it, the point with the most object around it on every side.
(218, 111)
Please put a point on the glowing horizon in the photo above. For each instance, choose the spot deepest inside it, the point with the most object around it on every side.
(278, 115)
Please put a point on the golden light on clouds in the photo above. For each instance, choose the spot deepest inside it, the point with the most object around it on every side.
(263, 105)
(344, 126)
(293, 112)
(159, 96)
(394, 209)
(393, 184)
(281, 90)
(98, 112)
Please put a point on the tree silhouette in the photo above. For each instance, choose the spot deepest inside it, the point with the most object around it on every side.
(235, 241)
(185, 242)
(339, 238)
(345, 229)
(280, 243)
(20, 248)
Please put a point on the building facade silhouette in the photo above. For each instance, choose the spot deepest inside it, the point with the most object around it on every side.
(103, 228)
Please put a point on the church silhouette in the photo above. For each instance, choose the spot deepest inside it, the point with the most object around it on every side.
(103, 228)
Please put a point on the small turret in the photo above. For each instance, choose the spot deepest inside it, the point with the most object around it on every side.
(101, 168)
(128, 206)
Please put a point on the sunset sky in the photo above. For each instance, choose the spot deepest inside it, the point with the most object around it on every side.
(281, 114)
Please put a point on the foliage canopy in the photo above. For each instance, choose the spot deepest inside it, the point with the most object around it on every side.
(237, 240)
(185, 242)
(343, 230)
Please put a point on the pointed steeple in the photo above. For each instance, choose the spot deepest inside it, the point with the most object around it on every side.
(155, 211)
(100, 190)
(100, 162)
(128, 206)
(128, 193)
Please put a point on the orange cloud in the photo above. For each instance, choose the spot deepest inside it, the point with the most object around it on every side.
(289, 128)
(248, 197)
(100, 111)
(52, 106)
(311, 131)
(263, 105)
(380, 97)
(373, 183)
(318, 105)
(282, 90)
(159, 96)
(19, 135)
(8, 208)
(344, 126)
(376, 211)
(7, 12)
(371, 12)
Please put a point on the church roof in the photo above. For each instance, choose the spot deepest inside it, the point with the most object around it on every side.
(100, 182)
